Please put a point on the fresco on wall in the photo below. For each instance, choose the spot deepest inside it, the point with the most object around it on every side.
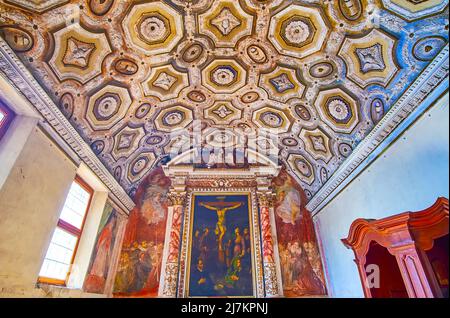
(139, 267)
(221, 253)
(301, 266)
(100, 263)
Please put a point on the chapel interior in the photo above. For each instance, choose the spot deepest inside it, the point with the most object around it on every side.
(224, 148)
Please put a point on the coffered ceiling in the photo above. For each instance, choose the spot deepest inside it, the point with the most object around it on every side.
(129, 75)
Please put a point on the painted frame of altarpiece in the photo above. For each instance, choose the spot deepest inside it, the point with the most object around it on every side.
(188, 263)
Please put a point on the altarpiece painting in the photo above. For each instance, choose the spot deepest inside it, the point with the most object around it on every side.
(220, 261)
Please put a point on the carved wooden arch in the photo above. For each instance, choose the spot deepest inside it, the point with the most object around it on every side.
(406, 236)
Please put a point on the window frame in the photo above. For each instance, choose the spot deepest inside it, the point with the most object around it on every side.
(6, 122)
(73, 231)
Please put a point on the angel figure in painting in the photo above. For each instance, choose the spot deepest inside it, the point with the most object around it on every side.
(153, 202)
(289, 209)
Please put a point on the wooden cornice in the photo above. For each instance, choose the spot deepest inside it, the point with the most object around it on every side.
(409, 228)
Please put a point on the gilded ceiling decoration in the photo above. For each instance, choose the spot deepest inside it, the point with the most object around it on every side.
(134, 78)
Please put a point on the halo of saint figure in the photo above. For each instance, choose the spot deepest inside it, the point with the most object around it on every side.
(221, 252)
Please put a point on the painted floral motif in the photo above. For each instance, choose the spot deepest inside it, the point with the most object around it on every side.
(226, 22)
(78, 53)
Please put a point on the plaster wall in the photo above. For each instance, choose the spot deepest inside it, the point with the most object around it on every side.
(409, 176)
(31, 200)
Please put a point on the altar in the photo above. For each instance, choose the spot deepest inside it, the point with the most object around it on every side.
(221, 234)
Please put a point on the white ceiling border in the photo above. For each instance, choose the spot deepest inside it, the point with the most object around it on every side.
(17, 74)
(436, 72)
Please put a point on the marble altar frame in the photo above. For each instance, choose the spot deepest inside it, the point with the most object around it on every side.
(186, 244)
(188, 180)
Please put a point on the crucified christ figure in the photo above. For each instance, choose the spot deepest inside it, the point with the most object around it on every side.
(220, 225)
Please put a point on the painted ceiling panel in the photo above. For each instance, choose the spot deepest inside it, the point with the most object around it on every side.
(129, 75)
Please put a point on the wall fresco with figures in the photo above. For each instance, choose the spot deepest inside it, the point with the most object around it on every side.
(301, 266)
(139, 269)
(101, 259)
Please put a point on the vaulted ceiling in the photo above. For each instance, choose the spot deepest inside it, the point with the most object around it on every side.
(321, 74)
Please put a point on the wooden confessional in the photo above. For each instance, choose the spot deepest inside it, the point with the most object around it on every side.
(410, 251)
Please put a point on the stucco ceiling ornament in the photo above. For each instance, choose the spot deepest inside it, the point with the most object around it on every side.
(153, 28)
(131, 77)
(415, 9)
(38, 5)
(165, 83)
(78, 53)
(223, 113)
(370, 59)
(338, 109)
(224, 76)
(317, 144)
(302, 168)
(282, 84)
(298, 31)
(226, 23)
(107, 107)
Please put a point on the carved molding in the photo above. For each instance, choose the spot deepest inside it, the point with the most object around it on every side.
(177, 198)
(16, 73)
(221, 182)
(271, 282)
(410, 224)
(424, 85)
(170, 280)
(265, 199)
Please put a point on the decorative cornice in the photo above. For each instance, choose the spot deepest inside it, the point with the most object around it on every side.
(220, 182)
(406, 225)
(423, 86)
(17, 74)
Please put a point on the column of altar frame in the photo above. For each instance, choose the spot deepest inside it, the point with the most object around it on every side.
(276, 252)
(170, 263)
(270, 265)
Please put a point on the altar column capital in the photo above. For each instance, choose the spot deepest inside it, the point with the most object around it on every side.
(177, 198)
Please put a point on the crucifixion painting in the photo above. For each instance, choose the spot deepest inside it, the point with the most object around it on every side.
(221, 208)
(221, 250)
